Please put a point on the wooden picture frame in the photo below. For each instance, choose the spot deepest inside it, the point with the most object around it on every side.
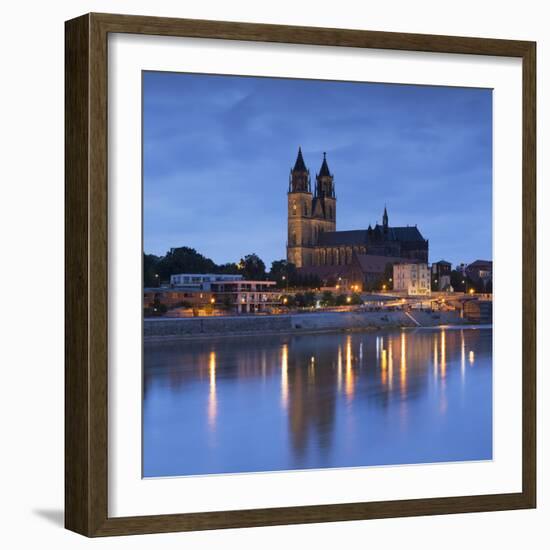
(86, 230)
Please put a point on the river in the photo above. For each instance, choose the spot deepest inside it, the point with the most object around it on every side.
(270, 403)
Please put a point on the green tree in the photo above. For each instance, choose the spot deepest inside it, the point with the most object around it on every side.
(356, 299)
(252, 267)
(341, 300)
(288, 300)
(184, 260)
(150, 270)
(299, 300)
(284, 273)
(308, 281)
(309, 299)
(229, 268)
(327, 299)
(458, 281)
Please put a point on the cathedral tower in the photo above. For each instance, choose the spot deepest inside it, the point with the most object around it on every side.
(300, 199)
(324, 201)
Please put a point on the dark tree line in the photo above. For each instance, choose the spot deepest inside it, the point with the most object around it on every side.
(158, 269)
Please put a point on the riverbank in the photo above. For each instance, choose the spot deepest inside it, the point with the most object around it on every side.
(200, 327)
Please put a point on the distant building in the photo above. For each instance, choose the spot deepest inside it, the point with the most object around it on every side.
(480, 270)
(441, 274)
(412, 278)
(312, 237)
(369, 269)
(200, 281)
(242, 296)
(231, 293)
(171, 297)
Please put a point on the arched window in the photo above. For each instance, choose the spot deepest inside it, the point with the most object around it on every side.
(294, 208)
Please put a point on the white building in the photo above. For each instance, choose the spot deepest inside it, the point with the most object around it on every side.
(413, 278)
(231, 292)
(201, 281)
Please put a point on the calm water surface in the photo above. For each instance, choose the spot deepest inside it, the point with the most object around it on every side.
(317, 401)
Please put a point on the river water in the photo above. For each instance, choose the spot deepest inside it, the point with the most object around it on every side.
(268, 403)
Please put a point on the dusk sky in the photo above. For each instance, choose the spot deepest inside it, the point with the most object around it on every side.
(218, 151)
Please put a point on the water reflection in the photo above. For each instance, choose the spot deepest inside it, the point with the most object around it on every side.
(314, 401)
(284, 376)
(212, 399)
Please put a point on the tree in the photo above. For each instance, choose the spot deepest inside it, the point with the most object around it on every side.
(308, 281)
(252, 267)
(458, 280)
(288, 300)
(327, 299)
(341, 300)
(356, 299)
(228, 268)
(150, 270)
(309, 299)
(300, 300)
(284, 273)
(184, 260)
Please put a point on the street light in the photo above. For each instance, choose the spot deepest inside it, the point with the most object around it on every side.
(157, 278)
(285, 279)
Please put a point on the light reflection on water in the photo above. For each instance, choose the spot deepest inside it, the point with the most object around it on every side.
(317, 401)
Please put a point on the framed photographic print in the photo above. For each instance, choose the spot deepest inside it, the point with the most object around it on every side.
(300, 275)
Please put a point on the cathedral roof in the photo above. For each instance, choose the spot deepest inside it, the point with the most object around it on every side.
(337, 238)
(362, 236)
(299, 165)
(407, 234)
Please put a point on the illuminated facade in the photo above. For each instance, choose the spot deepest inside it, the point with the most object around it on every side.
(412, 278)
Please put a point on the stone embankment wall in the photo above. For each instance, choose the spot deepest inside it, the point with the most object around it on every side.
(307, 322)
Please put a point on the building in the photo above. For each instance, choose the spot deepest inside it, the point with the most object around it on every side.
(173, 297)
(480, 270)
(200, 281)
(412, 279)
(313, 240)
(441, 275)
(242, 296)
(231, 293)
(367, 270)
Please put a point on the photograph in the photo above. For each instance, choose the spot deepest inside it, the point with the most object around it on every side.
(317, 274)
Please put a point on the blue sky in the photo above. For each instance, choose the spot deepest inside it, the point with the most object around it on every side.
(218, 150)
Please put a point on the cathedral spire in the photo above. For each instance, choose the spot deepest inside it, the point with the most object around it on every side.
(385, 218)
(299, 165)
(324, 167)
(299, 176)
(325, 181)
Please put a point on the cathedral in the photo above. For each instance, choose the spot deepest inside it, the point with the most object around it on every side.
(314, 242)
